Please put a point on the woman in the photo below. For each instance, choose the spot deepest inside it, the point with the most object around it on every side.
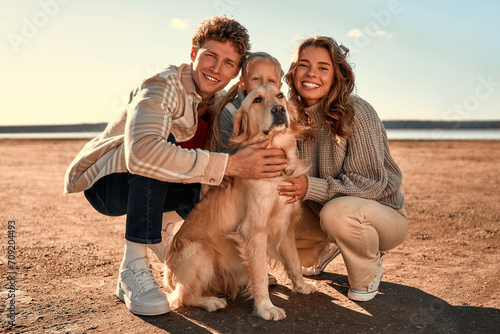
(352, 190)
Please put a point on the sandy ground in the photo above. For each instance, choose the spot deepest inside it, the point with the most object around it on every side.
(443, 279)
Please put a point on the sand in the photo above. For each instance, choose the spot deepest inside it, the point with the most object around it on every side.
(444, 278)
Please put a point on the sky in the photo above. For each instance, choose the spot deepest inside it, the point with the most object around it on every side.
(75, 61)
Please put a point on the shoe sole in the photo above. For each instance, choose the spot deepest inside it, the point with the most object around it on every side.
(147, 310)
(318, 270)
(361, 297)
(366, 296)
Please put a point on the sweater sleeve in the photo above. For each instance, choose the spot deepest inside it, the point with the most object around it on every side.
(148, 125)
(363, 172)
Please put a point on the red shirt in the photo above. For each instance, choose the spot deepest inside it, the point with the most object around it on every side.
(200, 137)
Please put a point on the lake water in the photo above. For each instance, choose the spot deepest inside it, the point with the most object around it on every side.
(393, 134)
(443, 134)
(50, 135)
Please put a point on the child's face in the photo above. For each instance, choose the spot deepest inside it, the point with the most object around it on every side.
(260, 72)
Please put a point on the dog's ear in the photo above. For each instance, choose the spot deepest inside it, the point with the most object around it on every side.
(237, 126)
(240, 128)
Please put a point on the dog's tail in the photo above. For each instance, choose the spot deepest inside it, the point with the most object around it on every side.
(174, 248)
(174, 299)
(194, 271)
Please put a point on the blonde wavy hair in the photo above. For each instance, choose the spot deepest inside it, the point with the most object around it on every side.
(337, 106)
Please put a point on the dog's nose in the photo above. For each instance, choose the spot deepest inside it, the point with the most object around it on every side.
(278, 110)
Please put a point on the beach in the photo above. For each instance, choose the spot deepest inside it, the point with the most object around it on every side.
(444, 278)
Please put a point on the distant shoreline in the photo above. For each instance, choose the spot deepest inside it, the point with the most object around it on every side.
(407, 125)
(64, 128)
(456, 125)
(396, 130)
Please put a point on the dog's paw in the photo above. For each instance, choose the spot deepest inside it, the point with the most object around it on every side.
(271, 313)
(212, 304)
(305, 288)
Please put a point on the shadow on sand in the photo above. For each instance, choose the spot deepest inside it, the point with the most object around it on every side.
(397, 309)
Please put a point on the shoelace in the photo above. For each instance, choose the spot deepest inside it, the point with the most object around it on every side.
(145, 280)
(377, 277)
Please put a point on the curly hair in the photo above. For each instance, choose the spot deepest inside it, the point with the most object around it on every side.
(338, 104)
(222, 29)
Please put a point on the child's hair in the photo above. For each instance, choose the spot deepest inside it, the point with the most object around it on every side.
(254, 56)
(222, 29)
(214, 140)
(251, 58)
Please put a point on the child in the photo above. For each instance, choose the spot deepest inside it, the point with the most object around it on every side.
(260, 68)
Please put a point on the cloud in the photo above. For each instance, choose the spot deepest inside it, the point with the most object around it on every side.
(378, 33)
(354, 33)
(177, 23)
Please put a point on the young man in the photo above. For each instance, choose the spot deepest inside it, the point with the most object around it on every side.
(138, 165)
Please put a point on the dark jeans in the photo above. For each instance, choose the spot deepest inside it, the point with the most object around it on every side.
(143, 200)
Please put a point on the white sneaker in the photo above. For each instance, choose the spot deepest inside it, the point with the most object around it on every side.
(372, 289)
(161, 249)
(333, 252)
(138, 289)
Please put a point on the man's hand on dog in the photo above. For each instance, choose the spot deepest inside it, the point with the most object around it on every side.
(256, 161)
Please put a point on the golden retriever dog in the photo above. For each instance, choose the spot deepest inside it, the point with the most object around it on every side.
(225, 242)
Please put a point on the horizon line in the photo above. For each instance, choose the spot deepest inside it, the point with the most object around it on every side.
(388, 124)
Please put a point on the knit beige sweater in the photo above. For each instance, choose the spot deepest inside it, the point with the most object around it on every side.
(360, 165)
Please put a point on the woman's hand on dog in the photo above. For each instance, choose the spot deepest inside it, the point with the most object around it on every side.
(256, 161)
(296, 190)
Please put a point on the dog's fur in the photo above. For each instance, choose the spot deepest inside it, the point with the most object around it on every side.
(224, 243)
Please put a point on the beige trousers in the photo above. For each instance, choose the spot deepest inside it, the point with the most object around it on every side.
(361, 228)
